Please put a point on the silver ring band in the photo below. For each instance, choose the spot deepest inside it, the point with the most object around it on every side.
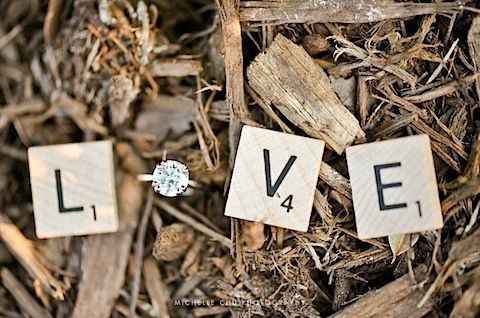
(149, 178)
(145, 177)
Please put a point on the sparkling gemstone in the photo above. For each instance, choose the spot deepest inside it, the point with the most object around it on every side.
(170, 178)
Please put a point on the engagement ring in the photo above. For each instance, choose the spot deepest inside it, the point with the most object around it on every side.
(170, 178)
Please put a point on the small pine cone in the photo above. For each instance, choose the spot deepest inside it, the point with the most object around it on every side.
(172, 242)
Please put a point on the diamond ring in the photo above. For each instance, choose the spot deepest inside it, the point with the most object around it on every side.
(170, 178)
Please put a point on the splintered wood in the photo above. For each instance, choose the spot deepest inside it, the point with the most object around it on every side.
(24, 251)
(287, 77)
(28, 304)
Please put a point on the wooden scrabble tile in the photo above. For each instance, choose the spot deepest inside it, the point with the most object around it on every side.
(394, 187)
(274, 178)
(73, 189)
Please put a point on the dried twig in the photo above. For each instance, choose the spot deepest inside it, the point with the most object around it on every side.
(22, 296)
(443, 90)
(156, 288)
(139, 248)
(24, 251)
(193, 223)
(50, 26)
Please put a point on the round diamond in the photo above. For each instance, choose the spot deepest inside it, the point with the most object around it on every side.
(170, 178)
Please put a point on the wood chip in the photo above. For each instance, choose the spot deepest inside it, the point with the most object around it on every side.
(121, 93)
(286, 76)
(253, 234)
(105, 257)
(315, 44)
(234, 77)
(443, 90)
(396, 299)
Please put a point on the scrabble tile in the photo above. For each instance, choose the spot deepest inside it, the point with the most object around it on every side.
(394, 187)
(274, 178)
(73, 189)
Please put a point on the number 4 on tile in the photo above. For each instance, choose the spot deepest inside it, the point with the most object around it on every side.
(288, 203)
(274, 178)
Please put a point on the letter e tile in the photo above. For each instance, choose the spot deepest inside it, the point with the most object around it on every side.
(274, 178)
(394, 187)
(73, 189)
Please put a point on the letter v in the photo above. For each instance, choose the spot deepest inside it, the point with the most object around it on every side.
(271, 190)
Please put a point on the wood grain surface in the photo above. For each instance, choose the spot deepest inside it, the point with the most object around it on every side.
(287, 77)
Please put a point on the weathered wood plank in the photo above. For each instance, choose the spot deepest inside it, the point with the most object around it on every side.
(342, 11)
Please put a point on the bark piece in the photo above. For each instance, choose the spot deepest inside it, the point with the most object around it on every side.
(105, 257)
(235, 91)
(397, 299)
(286, 76)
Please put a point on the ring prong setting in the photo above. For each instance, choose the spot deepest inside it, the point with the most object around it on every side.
(170, 178)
